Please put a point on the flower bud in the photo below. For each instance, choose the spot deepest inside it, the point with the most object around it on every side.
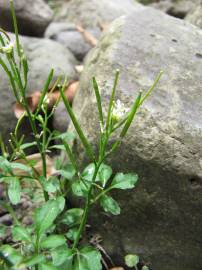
(7, 49)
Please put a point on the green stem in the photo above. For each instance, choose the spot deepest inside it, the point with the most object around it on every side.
(88, 148)
(15, 28)
(86, 209)
(37, 250)
(100, 195)
(31, 121)
(112, 100)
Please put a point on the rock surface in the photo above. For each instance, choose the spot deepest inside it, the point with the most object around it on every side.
(91, 13)
(68, 35)
(195, 16)
(61, 120)
(43, 54)
(178, 9)
(33, 16)
(161, 219)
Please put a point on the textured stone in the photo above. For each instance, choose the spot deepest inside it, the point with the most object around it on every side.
(176, 8)
(43, 54)
(68, 35)
(33, 16)
(161, 219)
(61, 119)
(92, 12)
(195, 16)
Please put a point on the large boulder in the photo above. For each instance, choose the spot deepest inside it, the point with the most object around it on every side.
(33, 16)
(195, 16)
(43, 54)
(92, 13)
(176, 8)
(161, 219)
(68, 35)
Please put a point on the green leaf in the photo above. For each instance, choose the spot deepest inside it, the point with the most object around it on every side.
(31, 261)
(104, 174)
(67, 136)
(27, 145)
(110, 205)
(131, 115)
(58, 163)
(84, 140)
(53, 241)
(45, 216)
(88, 258)
(2, 178)
(80, 188)
(124, 181)
(145, 267)
(51, 185)
(20, 166)
(10, 254)
(72, 234)
(61, 203)
(3, 230)
(58, 147)
(21, 234)
(68, 171)
(5, 165)
(131, 260)
(62, 255)
(47, 266)
(88, 172)
(98, 98)
(14, 190)
(111, 101)
(72, 217)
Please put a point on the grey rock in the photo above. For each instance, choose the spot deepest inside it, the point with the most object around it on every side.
(178, 9)
(92, 12)
(55, 28)
(61, 119)
(42, 54)
(161, 219)
(195, 16)
(33, 16)
(68, 35)
(91, 15)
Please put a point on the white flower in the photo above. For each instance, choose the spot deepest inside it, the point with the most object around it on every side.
(7, 49)
(119, 111)
(46, 100)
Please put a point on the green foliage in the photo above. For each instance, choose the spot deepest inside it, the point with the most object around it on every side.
(124, 181)
(87, 258)
(131, 260)
(14, 190)
(45, 216)
(110, 205)
(72, 217)
(21, 234)
(52, 242)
